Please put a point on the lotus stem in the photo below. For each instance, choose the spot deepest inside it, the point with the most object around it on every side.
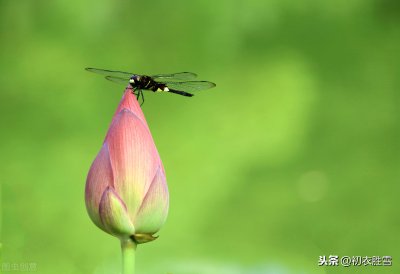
(128, 248)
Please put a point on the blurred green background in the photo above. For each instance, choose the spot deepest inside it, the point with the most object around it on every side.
(293, 156)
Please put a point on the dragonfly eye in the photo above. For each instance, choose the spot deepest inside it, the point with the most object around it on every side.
(134, 79)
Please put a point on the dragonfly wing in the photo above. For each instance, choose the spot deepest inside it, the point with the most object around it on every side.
(115, 73)
(190, 86)
(175, 76)
(118, 80)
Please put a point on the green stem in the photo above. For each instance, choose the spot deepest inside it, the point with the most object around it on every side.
(128, 247)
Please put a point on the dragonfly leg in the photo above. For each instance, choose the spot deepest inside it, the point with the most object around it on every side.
(141, 91)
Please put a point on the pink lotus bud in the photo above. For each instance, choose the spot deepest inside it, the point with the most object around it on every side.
(126, 190)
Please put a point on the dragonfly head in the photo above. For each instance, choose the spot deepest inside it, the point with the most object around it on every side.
(134, 79)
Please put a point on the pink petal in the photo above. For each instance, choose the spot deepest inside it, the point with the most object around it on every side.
(100, 176)
(130, 103)
(154, 209)
(134, 158)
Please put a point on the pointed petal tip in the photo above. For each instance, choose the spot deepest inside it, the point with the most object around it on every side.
(130, 102)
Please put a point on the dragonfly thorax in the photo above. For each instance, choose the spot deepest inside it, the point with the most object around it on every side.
(144, 82)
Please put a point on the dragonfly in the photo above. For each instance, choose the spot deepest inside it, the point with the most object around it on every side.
(181, 83)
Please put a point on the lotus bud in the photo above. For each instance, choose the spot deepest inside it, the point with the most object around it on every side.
(126, 190)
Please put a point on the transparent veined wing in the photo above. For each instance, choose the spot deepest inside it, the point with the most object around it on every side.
(190, 86)
(115, 73)
(118, 80)
(175, 76)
